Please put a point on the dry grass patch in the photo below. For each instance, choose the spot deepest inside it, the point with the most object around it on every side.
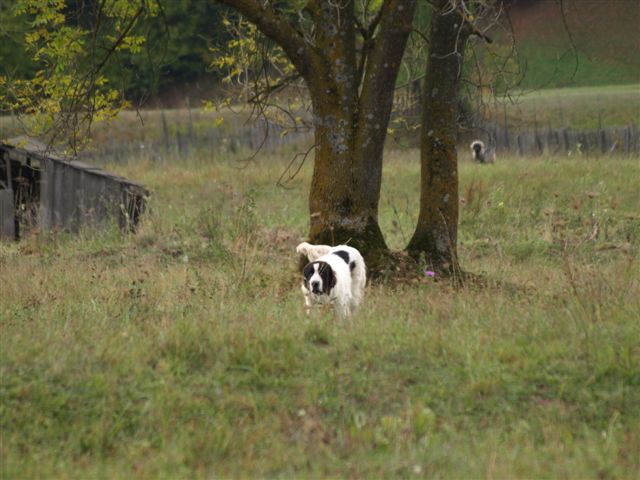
(184, 351)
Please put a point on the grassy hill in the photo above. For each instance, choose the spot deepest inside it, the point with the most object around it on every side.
(605, 36)
(581, 108)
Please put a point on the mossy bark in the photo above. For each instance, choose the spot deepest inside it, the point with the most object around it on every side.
(435, 236)
(351, 117)
(342, 209)
(352, 96)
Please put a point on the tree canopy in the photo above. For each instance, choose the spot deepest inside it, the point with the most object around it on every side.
(347, 55)
(343, 60)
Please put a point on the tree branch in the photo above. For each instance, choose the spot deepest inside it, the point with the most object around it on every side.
(273, 88)
(383, 61)
(374, 23)
(282, 32)
(120, 39)
(574, 49)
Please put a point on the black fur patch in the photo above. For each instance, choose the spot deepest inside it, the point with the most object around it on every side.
(327, 275)
(343, 255)
(307, 273)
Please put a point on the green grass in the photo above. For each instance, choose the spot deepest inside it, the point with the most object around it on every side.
(183, 351)
(580, 108)
(548, 67)
(602, 34)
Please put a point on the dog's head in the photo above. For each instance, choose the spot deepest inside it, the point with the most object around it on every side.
(319, 278)
(477, 147)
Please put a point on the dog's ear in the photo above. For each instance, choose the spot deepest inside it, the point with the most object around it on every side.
(307, 273)
(328, 277)
(332, 280)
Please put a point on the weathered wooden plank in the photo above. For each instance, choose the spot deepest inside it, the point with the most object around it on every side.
(7, 215)
(68, 206)
(63, 194)
(46, 193)
(73, 193)
(83, 166)
(99, 207)
(82, 195)
(58, 188)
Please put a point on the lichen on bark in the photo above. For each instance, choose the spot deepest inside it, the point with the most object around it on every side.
(350, 70)
(435, 237)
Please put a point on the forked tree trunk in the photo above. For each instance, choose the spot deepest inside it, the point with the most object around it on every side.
(342, 209)
(435, 236)
(350, 131)
(352, 101)
(340, 212)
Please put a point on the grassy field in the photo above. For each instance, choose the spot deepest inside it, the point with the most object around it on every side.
(603, 33)
(580, 108)
(183, 351)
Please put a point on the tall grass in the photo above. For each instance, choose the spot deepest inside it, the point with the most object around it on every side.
(183, 351)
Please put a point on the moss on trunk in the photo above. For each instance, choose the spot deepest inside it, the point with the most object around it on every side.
(350, 70)
(435, 236)
(340, 211)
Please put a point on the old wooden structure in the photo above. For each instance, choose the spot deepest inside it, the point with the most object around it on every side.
(40, 188)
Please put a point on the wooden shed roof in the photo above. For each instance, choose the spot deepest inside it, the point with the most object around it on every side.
(25, 149)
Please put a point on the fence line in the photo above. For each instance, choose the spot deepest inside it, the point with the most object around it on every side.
(259, 135)
(181, 138)
(534, 142)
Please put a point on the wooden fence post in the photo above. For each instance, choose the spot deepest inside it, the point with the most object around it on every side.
(191, 131)
(165, 131)
(602, 136)
(506, 128)
(520, 149)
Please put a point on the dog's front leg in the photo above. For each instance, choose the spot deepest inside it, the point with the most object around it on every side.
(308, 304)
(343, 310)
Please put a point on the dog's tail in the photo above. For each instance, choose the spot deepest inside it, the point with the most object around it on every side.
(312, 252)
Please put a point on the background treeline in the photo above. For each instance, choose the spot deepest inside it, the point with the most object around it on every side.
(175, 63)
(177, 51)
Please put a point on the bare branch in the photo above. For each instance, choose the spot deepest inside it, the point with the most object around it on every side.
(281, 31)
(293, 175)
(381, 70)
(572, 43)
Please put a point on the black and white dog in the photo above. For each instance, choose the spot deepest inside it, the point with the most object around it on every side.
(334, 275)
(481, 154)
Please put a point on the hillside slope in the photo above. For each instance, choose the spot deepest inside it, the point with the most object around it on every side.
(605, 36)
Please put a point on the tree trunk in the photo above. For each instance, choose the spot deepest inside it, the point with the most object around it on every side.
(435, 236)
(351, 83)
(350, 132)
(341, 210)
